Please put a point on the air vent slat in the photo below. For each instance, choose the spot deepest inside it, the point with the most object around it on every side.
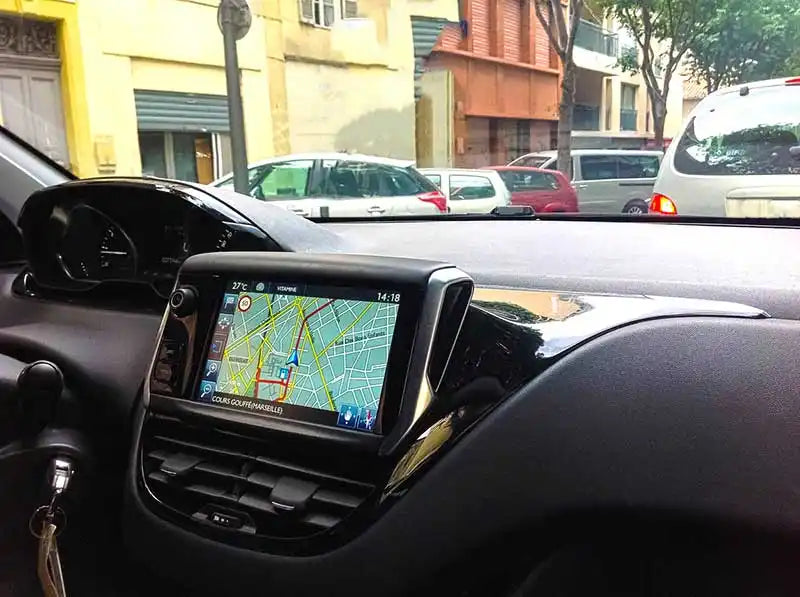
(202, 448)
(159, 455)
(251, 500)
(337, 498)
(264, 480)
(321, 520)
(240, 472)
(219, 470)
(158, 477)
(314, 474)
(208, 491)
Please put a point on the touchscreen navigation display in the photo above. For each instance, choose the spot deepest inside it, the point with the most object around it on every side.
(301, 351)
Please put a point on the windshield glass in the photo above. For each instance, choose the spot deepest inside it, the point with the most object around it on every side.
(335, 108)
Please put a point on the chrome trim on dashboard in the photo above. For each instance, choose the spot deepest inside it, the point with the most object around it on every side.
(566, 319)
(417, 392)
(156, 347)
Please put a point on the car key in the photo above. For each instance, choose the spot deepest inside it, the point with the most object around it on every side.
(45, 523)
(49, 563)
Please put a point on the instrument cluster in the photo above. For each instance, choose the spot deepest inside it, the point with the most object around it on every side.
(83, 236)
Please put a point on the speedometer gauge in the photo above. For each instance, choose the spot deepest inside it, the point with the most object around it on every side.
(95, 248)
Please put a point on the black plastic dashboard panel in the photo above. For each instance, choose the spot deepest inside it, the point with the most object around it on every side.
(691, 416)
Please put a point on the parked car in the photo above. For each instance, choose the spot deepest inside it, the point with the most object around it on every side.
(543, 190)
(469, 191)
(607, 180)
(738, 155)
(342, 185)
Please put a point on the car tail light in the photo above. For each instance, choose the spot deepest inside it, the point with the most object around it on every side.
(661, 204)
(793, 81)
(436, 198)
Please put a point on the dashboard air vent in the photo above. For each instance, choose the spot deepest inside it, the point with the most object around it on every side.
(274, 488)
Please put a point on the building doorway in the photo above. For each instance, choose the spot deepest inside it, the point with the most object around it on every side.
(30, 86)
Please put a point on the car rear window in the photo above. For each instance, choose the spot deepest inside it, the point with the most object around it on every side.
(744, 134)
(532, 161)
(518, 180)
(365, 179)
(434, 178)
(466, 186)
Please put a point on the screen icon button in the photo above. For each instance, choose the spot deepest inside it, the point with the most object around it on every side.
(224, 322)
(207, 390)
(211, 371)
(260, 287)
(348, 416)
(229, 303)
(217, 346)
(367, 420)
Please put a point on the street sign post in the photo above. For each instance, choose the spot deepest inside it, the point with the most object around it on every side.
(234, 19)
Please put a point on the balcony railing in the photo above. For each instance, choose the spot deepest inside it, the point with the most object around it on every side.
(627, 120)
(586, 118)
(595, 38)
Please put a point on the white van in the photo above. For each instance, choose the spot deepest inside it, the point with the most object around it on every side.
(607, 180)
(738, 155)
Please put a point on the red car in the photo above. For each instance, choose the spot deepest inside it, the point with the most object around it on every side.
(544, 190)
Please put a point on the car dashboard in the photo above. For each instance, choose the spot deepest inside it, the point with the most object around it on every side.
(489, 421)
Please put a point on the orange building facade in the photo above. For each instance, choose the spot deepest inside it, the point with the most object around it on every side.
(505, 82)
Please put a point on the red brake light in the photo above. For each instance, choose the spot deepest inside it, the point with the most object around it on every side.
(436, 198)
(793, 81)
(661, 204)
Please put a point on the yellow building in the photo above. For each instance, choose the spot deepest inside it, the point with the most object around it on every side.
(130, 87)
(348, 76)
(142, 86)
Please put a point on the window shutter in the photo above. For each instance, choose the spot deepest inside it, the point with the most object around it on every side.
(349, 9)
(479, 27)
(306, 11)
(512, 30)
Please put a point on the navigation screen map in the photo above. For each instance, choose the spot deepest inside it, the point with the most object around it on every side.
(313, 353)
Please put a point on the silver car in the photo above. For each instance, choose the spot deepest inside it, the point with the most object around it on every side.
(469, 191)
(607, 180)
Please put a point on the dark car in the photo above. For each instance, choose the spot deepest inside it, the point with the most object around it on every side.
(544, 190)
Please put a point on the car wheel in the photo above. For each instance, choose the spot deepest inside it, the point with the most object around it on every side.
(636, 207)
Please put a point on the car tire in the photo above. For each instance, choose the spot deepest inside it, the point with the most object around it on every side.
(637, 207)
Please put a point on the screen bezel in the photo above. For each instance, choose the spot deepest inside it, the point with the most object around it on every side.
(408, 315)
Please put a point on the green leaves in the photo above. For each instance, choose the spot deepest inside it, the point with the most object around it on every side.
(747, 40)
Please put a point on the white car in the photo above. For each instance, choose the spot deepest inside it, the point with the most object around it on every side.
(335, 185)
(469, 191)
(608, 181)
(738, 155)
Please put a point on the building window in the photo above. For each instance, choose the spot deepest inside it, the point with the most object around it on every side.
(192, 157)
(627, 113)
(323, 13)
(520, 142)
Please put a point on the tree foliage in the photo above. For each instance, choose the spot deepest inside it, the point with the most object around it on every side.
(663, 31)
(746, 40)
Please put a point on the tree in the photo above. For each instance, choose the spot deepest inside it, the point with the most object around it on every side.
(746, 41)
(561, 31)
(663, 30)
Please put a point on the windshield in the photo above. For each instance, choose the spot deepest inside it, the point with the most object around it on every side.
(335, 108)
